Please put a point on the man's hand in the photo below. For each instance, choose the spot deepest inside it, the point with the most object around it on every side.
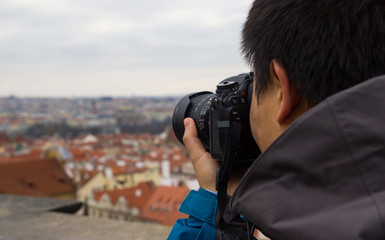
(205, 166)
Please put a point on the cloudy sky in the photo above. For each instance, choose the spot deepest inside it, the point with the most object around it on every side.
(76, 48)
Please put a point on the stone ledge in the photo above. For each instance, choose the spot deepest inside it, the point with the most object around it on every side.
(26, 218)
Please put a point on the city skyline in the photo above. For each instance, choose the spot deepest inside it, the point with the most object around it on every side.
(118, 48)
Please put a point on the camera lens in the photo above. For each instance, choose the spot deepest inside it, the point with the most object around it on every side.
(195, 106)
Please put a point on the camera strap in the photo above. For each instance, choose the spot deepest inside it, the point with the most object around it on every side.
(224, 172)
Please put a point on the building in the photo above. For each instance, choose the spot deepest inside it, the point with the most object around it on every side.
(35, 177)
(163, 205)
(121, 204)
(123, 174)
(144, 202)
(88, 182)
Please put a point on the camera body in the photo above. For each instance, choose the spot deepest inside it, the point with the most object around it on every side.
(221, 118)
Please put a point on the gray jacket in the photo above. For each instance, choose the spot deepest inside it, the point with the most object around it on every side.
(324, 177)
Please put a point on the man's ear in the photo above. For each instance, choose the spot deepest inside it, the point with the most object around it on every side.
(286, 94)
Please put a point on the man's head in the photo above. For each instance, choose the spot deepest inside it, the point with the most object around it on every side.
(303, 51)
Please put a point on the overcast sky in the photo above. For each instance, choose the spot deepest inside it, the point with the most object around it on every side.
(76, 48)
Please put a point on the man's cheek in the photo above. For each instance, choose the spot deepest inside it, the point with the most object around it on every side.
(254, 126)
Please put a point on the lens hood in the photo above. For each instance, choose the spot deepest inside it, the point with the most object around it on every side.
(182, 111)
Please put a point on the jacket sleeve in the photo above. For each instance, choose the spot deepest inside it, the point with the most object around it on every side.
(201, 206)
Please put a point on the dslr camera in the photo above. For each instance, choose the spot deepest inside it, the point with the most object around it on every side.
(221, 118)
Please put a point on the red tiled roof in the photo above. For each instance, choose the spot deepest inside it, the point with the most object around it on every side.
(117, 170)
(79, 154)
(129, 167)
(98, 154)
(86, 176)
(163, 206)
(35, 177)
(176, 156)
(33, 154)
(135, 196)
(9, 187)
(19, 138)
(3, 138)
(119, 137)
(171, 137)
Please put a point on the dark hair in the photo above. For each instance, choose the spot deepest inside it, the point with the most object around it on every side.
(325, 46)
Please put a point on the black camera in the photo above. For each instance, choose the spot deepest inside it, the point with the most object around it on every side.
(222, 119)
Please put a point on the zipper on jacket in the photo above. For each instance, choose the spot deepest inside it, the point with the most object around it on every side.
(250, 231)
(251, 228)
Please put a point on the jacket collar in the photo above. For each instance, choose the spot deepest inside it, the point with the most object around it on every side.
(325, 174)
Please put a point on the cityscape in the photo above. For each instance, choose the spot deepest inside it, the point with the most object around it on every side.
(87, 92)
(118, 156)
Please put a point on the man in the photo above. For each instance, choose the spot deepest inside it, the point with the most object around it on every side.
(318, 116)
